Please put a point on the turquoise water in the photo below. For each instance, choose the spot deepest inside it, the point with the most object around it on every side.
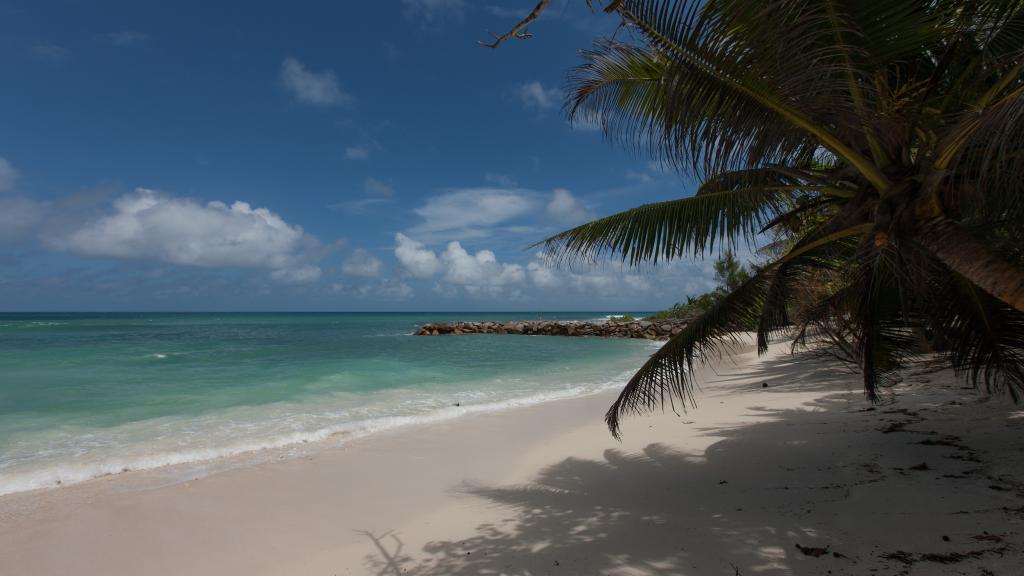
(83, 395)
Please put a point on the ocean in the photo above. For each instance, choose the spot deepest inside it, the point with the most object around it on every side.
(87, 395)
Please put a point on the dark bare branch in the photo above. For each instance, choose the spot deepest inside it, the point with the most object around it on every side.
(519, 30)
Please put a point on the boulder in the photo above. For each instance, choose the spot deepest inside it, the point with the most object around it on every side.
(658, 330)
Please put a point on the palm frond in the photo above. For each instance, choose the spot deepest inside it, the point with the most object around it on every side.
(672, 229)
(885, 337)
(668, 374)
(991, 158)
(770, 64)
(792, 273)
(886, 31)
(879, 142)
(985, 337)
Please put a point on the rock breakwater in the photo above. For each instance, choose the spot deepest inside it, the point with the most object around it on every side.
(645, 329)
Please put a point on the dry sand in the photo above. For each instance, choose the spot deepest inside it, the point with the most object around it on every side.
(932, 483)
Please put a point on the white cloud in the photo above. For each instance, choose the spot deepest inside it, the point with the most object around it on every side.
(641, 177)
(362, 263)
(415, 257)
(49, 51)
(124, 37)
(637, 283)
(470, 209)
(357, 153)
(460, 268)
(379, 192)
(481, 274)
(534, 96)
(565, 209)
(8, 176)
(386, 289)
(378, 187)
(543, 276)
(19, 217)
(480, 269)
(653, 172)
(433, 13)
(501, 179)
(318, 89)
(595, 281)
(149, 225)
(584, 123)
(302, 275)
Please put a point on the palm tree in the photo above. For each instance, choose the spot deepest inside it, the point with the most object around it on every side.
(881, 142)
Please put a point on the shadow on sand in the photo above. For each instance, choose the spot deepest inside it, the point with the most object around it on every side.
(809, 477)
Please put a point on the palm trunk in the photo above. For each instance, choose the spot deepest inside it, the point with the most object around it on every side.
(973, 260)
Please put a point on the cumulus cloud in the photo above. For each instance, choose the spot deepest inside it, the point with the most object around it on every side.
(362, 263)
(597, 281)
(641, 177)
(432, 14)
(478, 270)
(357, 153)
(534, 96)
(458, 270)
(8, 176)
(566, 209)
(318, 89)
(458, 267)
(500, 179)
(301, 275)
(19, 217)
(415, 258)
(378, 187)
(148, 225)
(482, 274)
(470, 209)
(386, 289)
(542, 275)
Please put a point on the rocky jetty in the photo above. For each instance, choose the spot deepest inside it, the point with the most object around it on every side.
(645, 329)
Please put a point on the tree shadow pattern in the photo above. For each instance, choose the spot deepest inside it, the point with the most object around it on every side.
(809, 477)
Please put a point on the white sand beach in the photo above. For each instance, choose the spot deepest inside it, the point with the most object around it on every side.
(799, 477)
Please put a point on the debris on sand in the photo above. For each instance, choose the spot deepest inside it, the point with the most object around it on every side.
(812, 551)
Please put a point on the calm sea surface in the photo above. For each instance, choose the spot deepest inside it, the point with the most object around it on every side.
(83, 395)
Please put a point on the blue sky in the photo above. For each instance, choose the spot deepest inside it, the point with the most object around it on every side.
(305, 156)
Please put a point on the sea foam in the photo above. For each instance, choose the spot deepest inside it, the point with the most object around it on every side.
(83, 469)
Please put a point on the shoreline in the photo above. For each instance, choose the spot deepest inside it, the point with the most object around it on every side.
(151, 410)
(334, 437)
(544, 489)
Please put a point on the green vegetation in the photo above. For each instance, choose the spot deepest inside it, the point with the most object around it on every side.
(729, 275)
(876, 145)
(692, 308)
